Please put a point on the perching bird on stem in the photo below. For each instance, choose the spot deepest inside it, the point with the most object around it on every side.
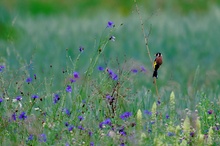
(157, 62)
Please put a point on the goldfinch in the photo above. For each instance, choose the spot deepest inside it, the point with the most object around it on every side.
(157, 62)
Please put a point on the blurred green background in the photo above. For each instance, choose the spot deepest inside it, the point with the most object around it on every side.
(185, 31)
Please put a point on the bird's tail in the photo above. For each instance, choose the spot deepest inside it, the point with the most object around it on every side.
(155, 74)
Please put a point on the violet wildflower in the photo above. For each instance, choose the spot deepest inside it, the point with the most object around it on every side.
(66, 124)
(67, 144)
(122, 132)
(148, 112)
(43, 138)
(110, 24)
(67, 111)
(13, 116)
(170, 134)
(91, 143)
(76, 75)
(2, 68)
(134, 70)
(125, 115)
(192, 134)
(22, 116)
(112, 74)
(30, 137)
(100, 68)
(56, 98)
(167, 116)
(29, 80)
(35, 96)
(108, 97)
(18, 98)
(80, 118)
(143, 69)
(81, 49)
(1, 100)
(158, 102)
(210, 112)
(90, 133)
(70, 128)
(80, 127)
(35, 76)
(68, 88)
(72, 80)
(105, 122)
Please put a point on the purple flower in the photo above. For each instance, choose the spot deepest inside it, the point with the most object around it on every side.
(108, 97)
(170, 134)
(66, 124)
(30, 137)
(76, 75)
(72, 80)
(43, 138)
(148, 112)
(110, 24)
(1, 68)
(68, 88)
(143, 69)
(35, 77)
(210, 112)
(35, 96)
(80, 127)
(192, 134)
(67, 111)
(80, 118)
(122, 132)
(70, 128)
(29, 80)
(134, 70)
(56, 98)
(158, 102)
(91, 143)
(1, 100)
(81, 49)
(167, 116)
(13, 116)
(90, 133)
(22, 116)
(105, 122)
(125, 115)
(100, 68)
(112, 74)
(18, 98)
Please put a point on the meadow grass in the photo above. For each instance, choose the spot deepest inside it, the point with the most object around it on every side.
(65, 82)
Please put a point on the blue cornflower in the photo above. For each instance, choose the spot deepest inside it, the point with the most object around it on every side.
(29, 80)
(76, 75)
(170, 134)
(91, 143)
(90, 133)
(112, 74)
(125, 115)
(68, 88)
(110, 24)
(100, 68)
(210, 112)
(43, 138)
(13, 116)
(1, 68)
(18, 98)
(81, 49)
(158, 102)
(67, 111)
(167, 116)
(70, 128)
(143, 69)
(30, 137)
(122, 132)
(80, 118)
(134, 70)
(67, 144)
(72, 80)
(66, 124)
(35, 96)
(148, 112)
(22, 116)
(80, 127)
(105, 122)
(56, 98)
(1, 100)
(108, 97)
(35, 76)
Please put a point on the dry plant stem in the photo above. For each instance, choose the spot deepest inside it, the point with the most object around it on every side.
(146, 44)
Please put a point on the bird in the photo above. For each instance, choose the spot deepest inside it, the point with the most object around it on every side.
(157, 63)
